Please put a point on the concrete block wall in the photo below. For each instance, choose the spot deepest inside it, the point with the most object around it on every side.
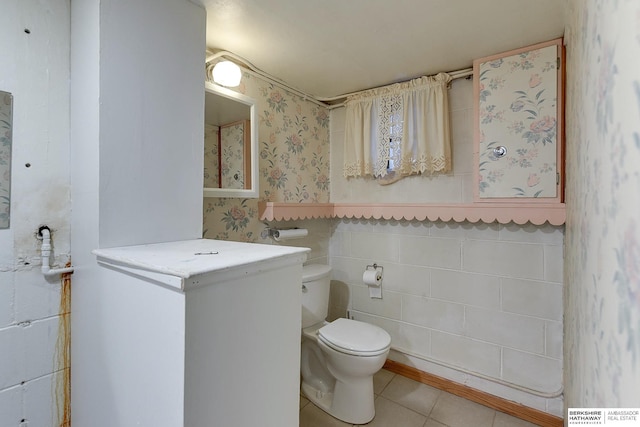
(34, 67)
(486, 299)
(317, 239)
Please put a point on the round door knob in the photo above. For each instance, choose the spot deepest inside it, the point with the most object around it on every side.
(500, 151)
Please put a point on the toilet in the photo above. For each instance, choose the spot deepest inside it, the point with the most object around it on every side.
(338, 359)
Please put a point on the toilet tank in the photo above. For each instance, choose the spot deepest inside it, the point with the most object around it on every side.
(315, 293)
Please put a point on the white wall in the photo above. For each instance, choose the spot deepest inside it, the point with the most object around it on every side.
(485, 299)
(151, 116)
(35, 68)
(137, 108)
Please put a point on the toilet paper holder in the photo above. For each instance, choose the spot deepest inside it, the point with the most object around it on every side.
(375, 266)
(283, 234)
(372, 277)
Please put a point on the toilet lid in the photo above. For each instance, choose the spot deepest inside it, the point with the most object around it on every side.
(354, 337)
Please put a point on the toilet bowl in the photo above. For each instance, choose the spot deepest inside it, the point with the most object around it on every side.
(339, 358)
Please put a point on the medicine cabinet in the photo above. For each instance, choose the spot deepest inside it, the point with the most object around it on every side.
(518, 125)
(230, 144)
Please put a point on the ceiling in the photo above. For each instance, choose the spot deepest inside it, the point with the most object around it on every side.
(327, 48)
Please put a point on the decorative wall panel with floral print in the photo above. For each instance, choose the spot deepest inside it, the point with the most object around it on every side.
(517, 122)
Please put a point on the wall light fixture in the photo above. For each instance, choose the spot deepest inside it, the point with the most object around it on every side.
(226, 73)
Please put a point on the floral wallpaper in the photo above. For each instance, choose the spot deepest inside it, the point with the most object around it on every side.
(518, 109)
(232, 159)
(602, 266)
(6, 124)
(293, 138)
(211, 175)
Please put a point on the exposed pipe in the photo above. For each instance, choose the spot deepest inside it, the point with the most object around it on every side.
(255, 70)
(543, 394)
(458, 74)
(322, 101)
(45, 232)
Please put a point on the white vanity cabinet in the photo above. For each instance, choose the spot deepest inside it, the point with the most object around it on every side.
(198, 333)
(518, 125)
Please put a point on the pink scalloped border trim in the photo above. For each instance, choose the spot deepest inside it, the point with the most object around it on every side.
(502, 213)
(271, 211)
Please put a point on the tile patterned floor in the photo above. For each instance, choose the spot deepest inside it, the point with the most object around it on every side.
(401, 402)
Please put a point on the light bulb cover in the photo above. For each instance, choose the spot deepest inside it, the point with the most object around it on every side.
(226, 73)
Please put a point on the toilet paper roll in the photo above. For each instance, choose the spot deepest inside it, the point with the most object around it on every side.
(294, 233)
(372, 278)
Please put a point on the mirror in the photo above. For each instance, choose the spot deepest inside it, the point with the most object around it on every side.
(230, 144)
(6, 130)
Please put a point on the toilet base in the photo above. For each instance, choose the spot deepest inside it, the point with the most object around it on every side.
(321, 399)
(358, 411)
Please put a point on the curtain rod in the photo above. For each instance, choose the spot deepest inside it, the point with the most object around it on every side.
(454, 75)
(322, 101)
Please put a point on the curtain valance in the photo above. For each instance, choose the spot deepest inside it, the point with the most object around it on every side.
(401, 129)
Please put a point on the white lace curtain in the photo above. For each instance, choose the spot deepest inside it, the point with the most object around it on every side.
(402, 129)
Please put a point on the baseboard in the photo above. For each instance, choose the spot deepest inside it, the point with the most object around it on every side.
(508, 407)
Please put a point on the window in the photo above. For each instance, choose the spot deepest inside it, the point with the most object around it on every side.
(402, 129)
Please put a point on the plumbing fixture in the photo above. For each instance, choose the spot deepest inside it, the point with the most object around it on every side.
(45, 233)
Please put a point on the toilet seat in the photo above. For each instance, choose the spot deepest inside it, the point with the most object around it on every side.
(355, 338)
